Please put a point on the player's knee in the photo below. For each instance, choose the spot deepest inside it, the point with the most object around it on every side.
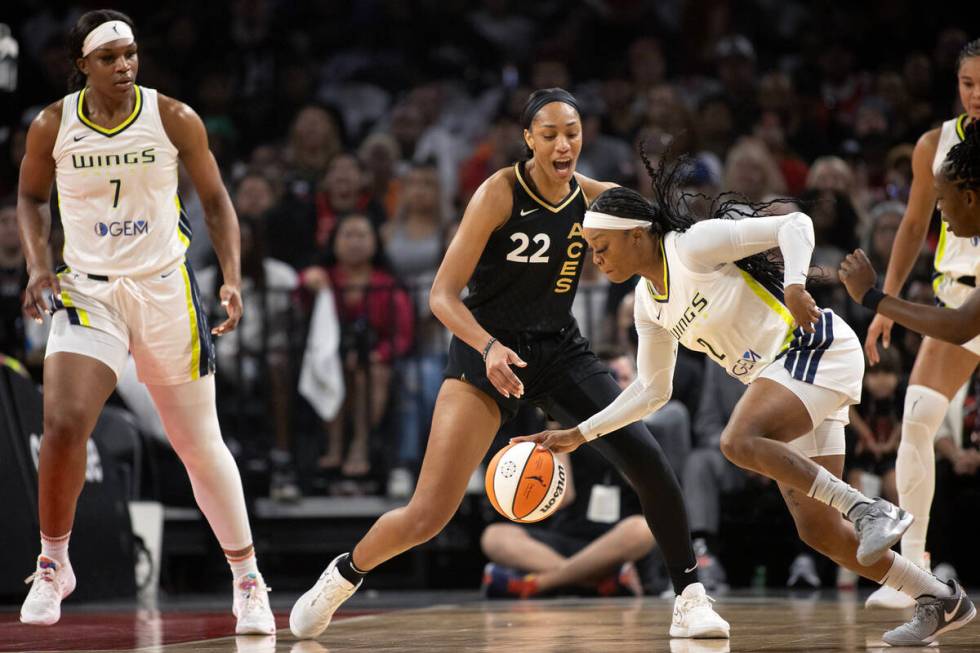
(66, 426)
(495, 538)
(425, 523)
(637, 533)
(736, 447)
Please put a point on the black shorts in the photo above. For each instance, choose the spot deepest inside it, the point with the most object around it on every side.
(554, 360)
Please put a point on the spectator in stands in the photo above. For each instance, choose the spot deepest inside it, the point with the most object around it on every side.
(876, 425)
(708, 474)
(885, 220)
(343, 190)
(415, 241)
(751, 171)
(13, 280)
(376, 329)
(314, 140)
(379, 155)
(256, 359)
(593, 544)
(501, 148)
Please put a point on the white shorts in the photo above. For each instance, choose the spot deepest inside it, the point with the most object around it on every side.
(159, 319)
(953, 294)
(826, 371)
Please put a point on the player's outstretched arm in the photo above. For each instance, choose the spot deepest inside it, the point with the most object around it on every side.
(957, 325)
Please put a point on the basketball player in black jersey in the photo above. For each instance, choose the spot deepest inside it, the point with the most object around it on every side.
(519, 249)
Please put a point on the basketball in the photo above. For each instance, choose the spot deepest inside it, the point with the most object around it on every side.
(525, 483)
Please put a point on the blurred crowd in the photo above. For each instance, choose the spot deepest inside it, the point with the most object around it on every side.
(352, 135)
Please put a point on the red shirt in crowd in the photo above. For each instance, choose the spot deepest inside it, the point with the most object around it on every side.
(386, 307)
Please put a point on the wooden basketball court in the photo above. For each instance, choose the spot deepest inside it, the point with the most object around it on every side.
(771, 623)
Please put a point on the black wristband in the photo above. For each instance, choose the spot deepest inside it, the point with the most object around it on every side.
(872, 298)
(486, 349)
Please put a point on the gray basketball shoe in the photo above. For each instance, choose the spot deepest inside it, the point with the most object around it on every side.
(933, 617)
(879, 525)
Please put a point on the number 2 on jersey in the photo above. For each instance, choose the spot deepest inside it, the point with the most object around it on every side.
(118, 184)
(517, 254)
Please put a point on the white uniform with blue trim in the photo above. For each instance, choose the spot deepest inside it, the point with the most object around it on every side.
(957, 260)
(126, 288)
(713, 306)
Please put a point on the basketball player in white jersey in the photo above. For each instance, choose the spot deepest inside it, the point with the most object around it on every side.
(710, 287)
(113, 149)
(941, 368)
(958, 199)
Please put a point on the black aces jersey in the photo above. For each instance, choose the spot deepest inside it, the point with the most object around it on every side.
(526, 277)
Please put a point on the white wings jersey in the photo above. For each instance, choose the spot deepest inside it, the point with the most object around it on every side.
(117, 191)
(742, 325)
(955, 257)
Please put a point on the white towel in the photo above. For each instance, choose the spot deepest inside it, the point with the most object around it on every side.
(321, 380)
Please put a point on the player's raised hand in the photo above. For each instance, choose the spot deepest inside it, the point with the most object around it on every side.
(857, 274)
(41, 282)
(499, 360)
(231, 300)
(563, 441)
(800, 303)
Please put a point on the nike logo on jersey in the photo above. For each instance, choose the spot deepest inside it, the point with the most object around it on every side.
(167, 274)
(523, 212)
(78, 138)
(687, 571)
(948, 615)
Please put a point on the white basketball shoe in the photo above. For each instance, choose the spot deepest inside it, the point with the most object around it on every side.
(311, 614)
(251, 606)
(50, 583)
(694, 617)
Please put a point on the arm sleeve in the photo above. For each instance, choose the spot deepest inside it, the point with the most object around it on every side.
(656, 355)
(709, 244)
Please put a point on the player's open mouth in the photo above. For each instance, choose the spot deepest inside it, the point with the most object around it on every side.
(562, 166)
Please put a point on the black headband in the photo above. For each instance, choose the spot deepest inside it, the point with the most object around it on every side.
(545, 96)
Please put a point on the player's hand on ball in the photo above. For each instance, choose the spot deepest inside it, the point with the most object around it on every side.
(231, 300)
(563, 441)
(499, 360)
(801, 305)
(857, 274)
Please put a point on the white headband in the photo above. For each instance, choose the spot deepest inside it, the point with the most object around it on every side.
(596, 220)
(114, 30)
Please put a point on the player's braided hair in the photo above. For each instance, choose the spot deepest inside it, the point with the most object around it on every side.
(970, 50)
(962, 164)
(76, 38)
(670, 211)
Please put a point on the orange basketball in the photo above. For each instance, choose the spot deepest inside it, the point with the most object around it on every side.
(525, 483)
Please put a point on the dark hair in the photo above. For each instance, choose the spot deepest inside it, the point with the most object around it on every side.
(962, 163)
(76, 38)
(379, 261)
(537, 100)
(970, 50)
(670, 211)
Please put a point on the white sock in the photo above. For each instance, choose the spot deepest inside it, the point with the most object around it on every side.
(246, 564)
(56, 548)
(837, 494)
(908, 578)
(191, 422)
(915, 469)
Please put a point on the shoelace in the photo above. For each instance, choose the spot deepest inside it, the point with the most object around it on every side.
(254, 596)
(696, 602)
(44, 573)
(922, 610)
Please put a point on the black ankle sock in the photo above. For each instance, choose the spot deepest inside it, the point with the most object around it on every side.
(347, 569)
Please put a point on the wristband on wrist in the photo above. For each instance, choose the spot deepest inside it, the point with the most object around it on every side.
(486, 349)
(872, 298)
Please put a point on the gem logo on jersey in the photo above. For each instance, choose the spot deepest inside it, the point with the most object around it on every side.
(746, 363)
(122, 228)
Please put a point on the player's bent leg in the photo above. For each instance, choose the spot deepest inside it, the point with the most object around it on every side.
(76, 388)
(463, 426)
(511, 546)
(190, 419)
